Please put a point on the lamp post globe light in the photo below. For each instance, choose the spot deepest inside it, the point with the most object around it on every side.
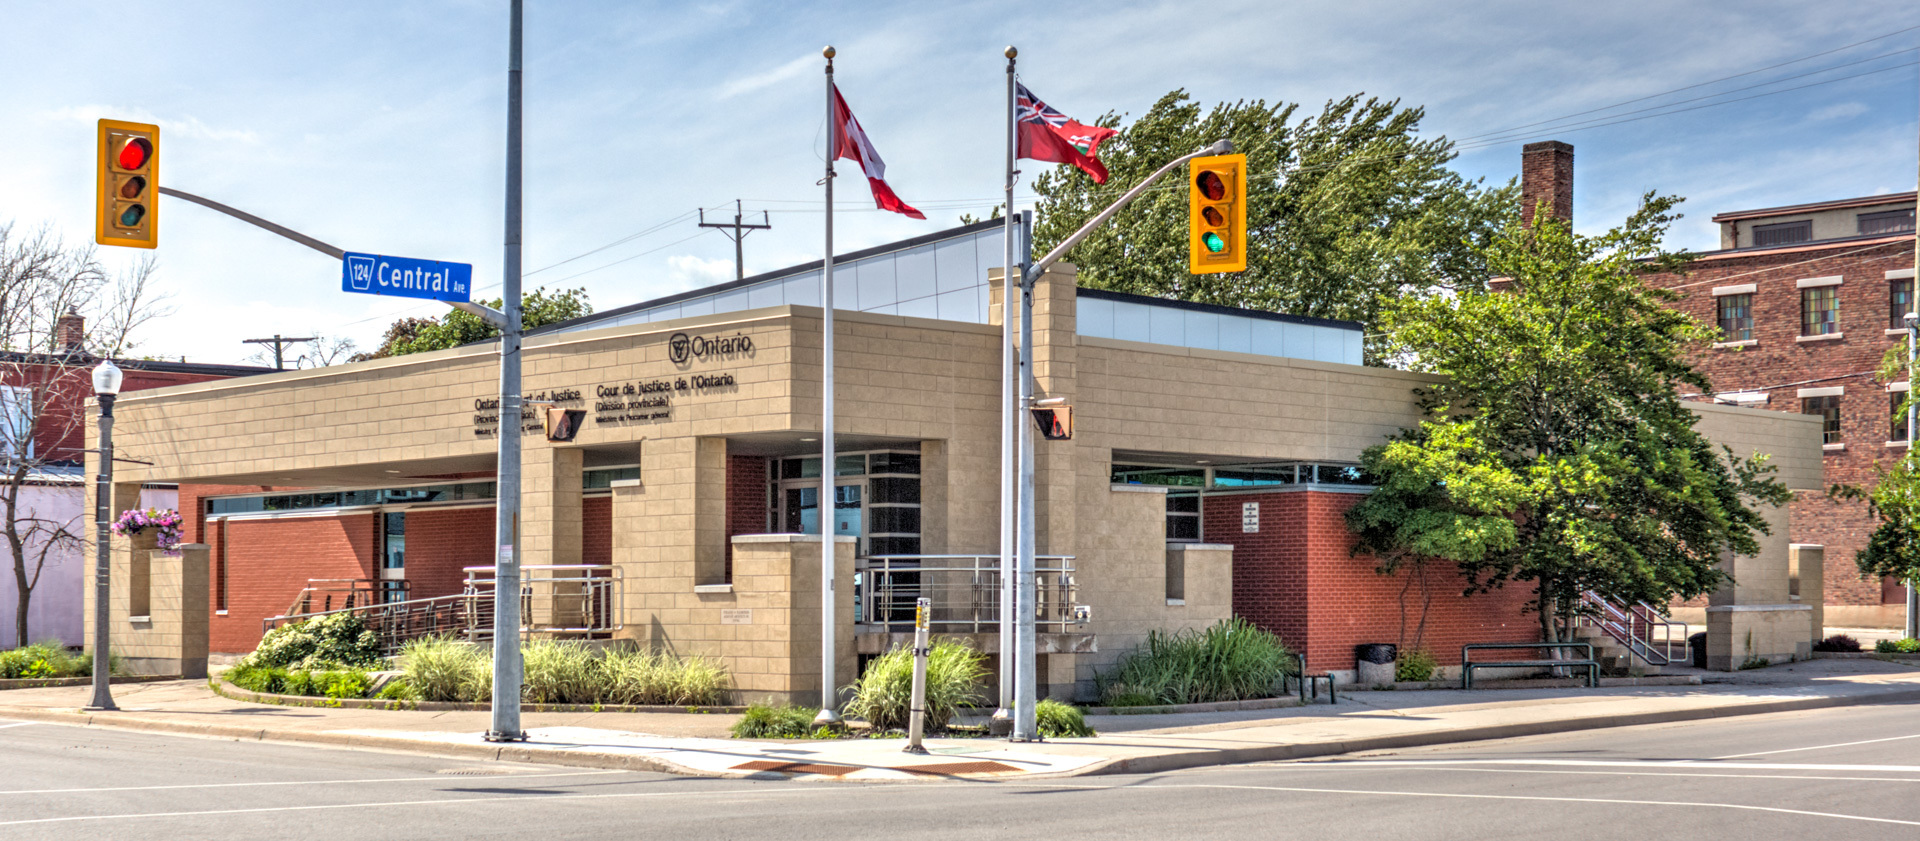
(106, 386)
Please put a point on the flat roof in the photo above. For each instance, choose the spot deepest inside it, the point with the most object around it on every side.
(1815, 207)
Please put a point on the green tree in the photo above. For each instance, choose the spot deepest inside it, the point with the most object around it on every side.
(419, 335)
(1346, 210)
(1555, 449)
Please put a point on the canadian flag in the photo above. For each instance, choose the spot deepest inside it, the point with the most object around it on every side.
(854, 145)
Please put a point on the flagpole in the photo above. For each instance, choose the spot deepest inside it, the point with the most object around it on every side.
(1002, 722)
(827, 512)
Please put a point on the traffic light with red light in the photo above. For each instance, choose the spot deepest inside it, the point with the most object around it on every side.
(563, 424)
(1056, 422)
(1217, 215)
(127, 190)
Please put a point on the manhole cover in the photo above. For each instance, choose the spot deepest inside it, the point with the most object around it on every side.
(473, 772)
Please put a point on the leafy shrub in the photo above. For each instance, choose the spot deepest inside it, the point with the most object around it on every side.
(45, 659)
(1837, 642)
(331, 641)
(446, 669)
(1229, 661)
(765, 721)
(398, 689)
(885, 690)
(1900, 646)
(1414, 666)
(347, 684)
(263, 679)
(298, 683)
(1060, 721)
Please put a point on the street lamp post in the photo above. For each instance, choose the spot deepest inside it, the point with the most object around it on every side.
(1913, 409)
(106, 386)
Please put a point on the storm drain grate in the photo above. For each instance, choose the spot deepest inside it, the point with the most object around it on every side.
(951, 768)
(796, 768)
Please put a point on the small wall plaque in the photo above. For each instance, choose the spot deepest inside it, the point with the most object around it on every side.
(736, 616)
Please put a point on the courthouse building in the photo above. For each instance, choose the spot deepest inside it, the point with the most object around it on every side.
(1213, 455)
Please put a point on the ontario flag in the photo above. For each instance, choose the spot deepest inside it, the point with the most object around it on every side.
(854, 145)
(1048, 135)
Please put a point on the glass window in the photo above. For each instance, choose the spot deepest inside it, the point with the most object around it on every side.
(600, 479)
(849, 465)
(1735, 316)
(800, 468)
(1338, 474)
(893, 545)
(1897, 408)
(908, 463)
(1899, 302)
(1828, 408)
(1183, 517)
(892, 489)
(1179, 477)
(1886, 222)
(888, 519)
(1820, 311)
(1253, 475)
(1785, 233)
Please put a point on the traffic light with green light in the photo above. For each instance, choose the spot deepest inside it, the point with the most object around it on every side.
(127, 189)
(1217, 215)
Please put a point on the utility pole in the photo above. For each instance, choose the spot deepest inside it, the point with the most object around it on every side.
(278, 341)
(507, 669)
(740, 231)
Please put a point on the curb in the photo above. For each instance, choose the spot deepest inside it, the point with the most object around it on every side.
(45, 682)
(226, 689)
(1273, 753)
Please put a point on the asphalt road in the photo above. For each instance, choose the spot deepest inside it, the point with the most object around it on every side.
(1828, 775)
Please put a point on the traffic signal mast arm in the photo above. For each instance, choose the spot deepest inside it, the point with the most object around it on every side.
(1220, 147)
(258, 222)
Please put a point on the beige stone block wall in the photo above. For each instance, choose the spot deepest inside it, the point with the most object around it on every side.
(170, 635)
(1808, 562)
(1739, 634)
(765, 626)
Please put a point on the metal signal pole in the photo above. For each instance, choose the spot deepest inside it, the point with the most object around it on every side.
(740, 230)
(507, 671)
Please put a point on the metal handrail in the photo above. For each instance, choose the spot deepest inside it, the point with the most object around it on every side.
(1634, 628)
(586, 602)
(964, 589)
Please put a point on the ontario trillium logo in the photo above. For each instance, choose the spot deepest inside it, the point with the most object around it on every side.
(682, 348)
(679, 347)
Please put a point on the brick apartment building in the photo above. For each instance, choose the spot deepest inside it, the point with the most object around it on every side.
(43, 419)
(1807, 298)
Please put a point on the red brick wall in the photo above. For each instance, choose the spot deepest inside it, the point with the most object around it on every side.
(441, 543)
(1546, 178)
(1295, 577)
(1780, 366)
(269, 561)
(746, 500)
(596, 539)
(60, 430)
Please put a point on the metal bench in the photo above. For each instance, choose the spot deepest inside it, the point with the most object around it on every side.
(1467, 665)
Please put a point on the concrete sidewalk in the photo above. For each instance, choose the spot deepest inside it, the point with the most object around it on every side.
(696, 744)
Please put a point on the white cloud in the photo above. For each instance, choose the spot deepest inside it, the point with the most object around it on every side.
(1838, 111)
(769, 78)
(686, 271)
(169, 126)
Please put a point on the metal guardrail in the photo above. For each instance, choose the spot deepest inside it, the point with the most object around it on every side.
(964, 590)
(1467, 665)
(1641, 628)
(341, 593)
(570, 599)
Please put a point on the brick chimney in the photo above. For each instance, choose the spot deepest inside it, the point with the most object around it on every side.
(1546, 176)
(70, 332)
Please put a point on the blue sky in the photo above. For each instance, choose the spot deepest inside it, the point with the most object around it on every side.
(379, 126)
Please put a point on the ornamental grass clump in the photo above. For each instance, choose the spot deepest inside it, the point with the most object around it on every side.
(560, 672)
(648, 678)
(884, 692)
(765, 721)
(1060, 721)
(565, 672)
(1229, 661)
(446, 669)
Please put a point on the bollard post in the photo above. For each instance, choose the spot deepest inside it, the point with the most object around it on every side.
(917, 720)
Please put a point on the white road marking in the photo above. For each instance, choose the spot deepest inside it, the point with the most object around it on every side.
(1322, 766)
(761, 792)
(434, 778)
(17, 724)
(1531, 798)
(1818, 747)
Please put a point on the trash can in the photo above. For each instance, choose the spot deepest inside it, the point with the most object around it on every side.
(1374, 663)
(1697, 646)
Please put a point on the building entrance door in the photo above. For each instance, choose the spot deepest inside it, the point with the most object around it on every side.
(800, 510)
(393, 557)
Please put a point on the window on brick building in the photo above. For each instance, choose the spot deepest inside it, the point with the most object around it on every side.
(1828, 408)
(1820, 311)
(1785, 233)
(1899, 302)
(16, 421)
(1183, 516)
(1886, 222)
(1897, 410)
(1735, 317)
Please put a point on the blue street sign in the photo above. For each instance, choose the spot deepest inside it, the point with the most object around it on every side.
(407, 277)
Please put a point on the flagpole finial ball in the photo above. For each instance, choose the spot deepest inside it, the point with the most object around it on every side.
(1012, 52)
(828, 52)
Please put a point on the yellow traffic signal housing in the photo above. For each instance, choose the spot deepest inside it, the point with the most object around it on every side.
(1217, 214)
(563, 424)
(127, 189)
(1056, 422)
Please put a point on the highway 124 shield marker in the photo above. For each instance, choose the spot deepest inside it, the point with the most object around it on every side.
(407, 277)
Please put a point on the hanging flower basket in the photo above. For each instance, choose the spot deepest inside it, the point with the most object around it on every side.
(165, 522)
